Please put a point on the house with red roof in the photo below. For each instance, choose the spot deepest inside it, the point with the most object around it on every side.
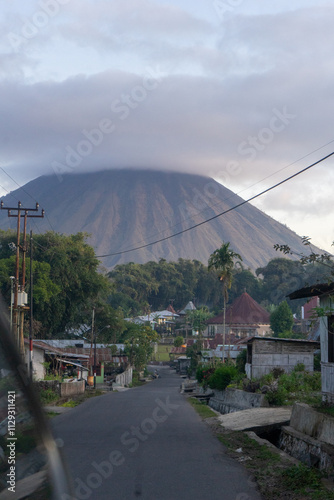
(243, 318)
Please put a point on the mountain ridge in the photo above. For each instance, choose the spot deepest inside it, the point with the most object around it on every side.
(123, 208)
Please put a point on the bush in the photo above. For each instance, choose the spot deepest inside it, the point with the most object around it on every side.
(48, 396)
(277, 397)
(222, 377)
(203, 374)
(241, 361)
(250, 385)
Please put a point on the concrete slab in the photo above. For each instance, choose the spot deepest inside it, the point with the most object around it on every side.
(255, 418)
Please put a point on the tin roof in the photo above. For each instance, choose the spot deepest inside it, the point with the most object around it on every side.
(244, 311)
(311, 291)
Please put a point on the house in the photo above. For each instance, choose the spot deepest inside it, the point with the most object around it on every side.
(325, 292)
(73, 350)
(266, 353)
(189, 307)
(244, 318)
(43, 353)
(164, 320)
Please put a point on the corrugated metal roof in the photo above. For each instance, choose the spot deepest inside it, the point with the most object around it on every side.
(312, 291)
(243, 311)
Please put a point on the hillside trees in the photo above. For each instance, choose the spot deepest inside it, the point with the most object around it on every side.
(135, 286)
(67, 281)
(281, 320)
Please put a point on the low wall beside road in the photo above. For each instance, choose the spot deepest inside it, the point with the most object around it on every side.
(232, 400)
(67, 389)
(309, 437)
(124, 379)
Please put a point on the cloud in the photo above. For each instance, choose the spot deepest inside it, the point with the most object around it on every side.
(142, 83)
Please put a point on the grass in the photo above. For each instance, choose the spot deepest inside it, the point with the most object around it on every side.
(202, 409)
(163, 353)
(276, 476)
(70, 404)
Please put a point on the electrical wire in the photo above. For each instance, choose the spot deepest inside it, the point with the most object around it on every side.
(27, 193)
(222, 213)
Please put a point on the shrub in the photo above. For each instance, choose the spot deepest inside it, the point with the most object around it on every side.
(222, 376)
(203, 373)
(300, 367)
(277, 372)
(48, 396)
(241, 361)
(250, 385)
(277, 397)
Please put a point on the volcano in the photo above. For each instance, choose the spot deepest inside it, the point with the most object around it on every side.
(132, 215)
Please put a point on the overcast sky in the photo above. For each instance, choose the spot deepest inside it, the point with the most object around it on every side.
(238, 90)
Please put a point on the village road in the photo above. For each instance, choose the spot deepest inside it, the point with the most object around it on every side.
(147, 443)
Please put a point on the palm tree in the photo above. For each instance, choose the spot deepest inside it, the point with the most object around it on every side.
(222, 260)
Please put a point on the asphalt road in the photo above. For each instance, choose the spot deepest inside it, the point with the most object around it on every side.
(147, 443)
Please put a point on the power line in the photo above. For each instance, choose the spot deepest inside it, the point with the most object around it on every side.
(233, 195)
(220, 214)
(27, 193)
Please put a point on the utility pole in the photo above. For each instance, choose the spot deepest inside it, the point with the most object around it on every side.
(94, 339)
(30, 368)
(19, 294)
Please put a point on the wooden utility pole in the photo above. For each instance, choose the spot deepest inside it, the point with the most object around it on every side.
(18, 306)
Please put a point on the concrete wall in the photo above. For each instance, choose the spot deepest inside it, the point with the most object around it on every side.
(232, 400)
(270, 354)
(124, 378)
(72, 388)
(262, 364)
(309, 437)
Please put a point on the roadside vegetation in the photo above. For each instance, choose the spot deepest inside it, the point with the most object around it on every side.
(273, 473)
(202, 409)
(276, 476)
(280, 388)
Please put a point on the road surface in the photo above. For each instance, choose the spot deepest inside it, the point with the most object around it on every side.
(147, 443)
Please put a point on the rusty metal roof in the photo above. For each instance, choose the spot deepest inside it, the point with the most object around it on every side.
(244, 311)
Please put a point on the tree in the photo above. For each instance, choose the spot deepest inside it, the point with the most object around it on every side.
(280, 277)
(67, 279)
(281, 320)
(138, 344)
(178, 341)
(198, 318)
(222, 260)
(244, 280)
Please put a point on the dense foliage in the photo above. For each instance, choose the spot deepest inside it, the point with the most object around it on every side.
(67, 283)
(281, 320)
(216, 377)
(140, 287)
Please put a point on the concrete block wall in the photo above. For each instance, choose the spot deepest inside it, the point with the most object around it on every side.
(232, 400)
(72, 388)
(309, 437)
(124, 378)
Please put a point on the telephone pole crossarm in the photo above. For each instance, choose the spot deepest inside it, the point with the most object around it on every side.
(19, 306)
(19, 207)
